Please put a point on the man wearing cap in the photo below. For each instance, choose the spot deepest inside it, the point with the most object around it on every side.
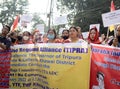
(4, 42)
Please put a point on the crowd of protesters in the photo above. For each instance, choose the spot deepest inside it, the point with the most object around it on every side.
(73, 35)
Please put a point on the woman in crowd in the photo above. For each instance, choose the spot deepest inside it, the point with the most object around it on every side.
(79, 32)
(51, 35)
(74, 35)
(37, 37)
(103, 39)
(27, 38)
(114, 42)
(118, 35)
(93, 36)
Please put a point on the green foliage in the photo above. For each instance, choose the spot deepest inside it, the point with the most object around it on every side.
(37, 20)
(86, 12)
(10, 8)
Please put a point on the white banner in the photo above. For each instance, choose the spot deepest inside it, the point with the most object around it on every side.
(85, 35)
(40, 27)
(61, 20)
(61, 30)
(1, 26)
(95, 25)
(26, 18)
(111, 18)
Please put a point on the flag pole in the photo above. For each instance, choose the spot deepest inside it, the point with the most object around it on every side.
(115, 31)
(108, 32)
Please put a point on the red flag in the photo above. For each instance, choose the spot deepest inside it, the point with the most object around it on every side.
(112, 6)
(15, 23)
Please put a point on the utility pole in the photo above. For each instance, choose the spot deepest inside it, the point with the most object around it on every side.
(50, 14)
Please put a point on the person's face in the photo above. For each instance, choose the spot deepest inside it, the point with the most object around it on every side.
(51, 32)
(5, 30)
(26, 36)
(118, 31)
(51, 35)
(115, 41)
(14, 35)
(100, 80)
(38, 35)
(92, 34)
(103, 36)
(79, 30)
(65, 33)
(73, 33)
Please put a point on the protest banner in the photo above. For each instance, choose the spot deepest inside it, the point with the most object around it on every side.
(5, 57)
(60, 20)
(1, 26)
(95, 25)
(26, 18)
(105, 67)
(111, 18)
(50, 66)
(85, 35)
(41, 28)
(61, 30)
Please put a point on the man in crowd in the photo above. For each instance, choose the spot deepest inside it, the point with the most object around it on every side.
(118, 35)
(4, 42)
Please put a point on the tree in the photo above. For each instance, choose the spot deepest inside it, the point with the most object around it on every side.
(10, 8)
(86, 12)
(37, 20)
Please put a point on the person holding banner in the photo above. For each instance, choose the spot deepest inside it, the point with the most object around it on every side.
(93, 36)
(65, 36)
(74, 35)
(27, 38)
(79, 32)
(118, 35)
(100, 79)
(115, 42)
(37, 37)
(103, 39)
(52, 36)
(4, 42)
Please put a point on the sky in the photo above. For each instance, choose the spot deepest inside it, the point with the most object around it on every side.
(42, 7)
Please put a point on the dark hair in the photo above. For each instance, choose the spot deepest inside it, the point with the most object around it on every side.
(19, 38)
(27, 32)
(100, 73)
(74, 28)
(65, 30)
(7, 27)
(53, 31)
(13, 33)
